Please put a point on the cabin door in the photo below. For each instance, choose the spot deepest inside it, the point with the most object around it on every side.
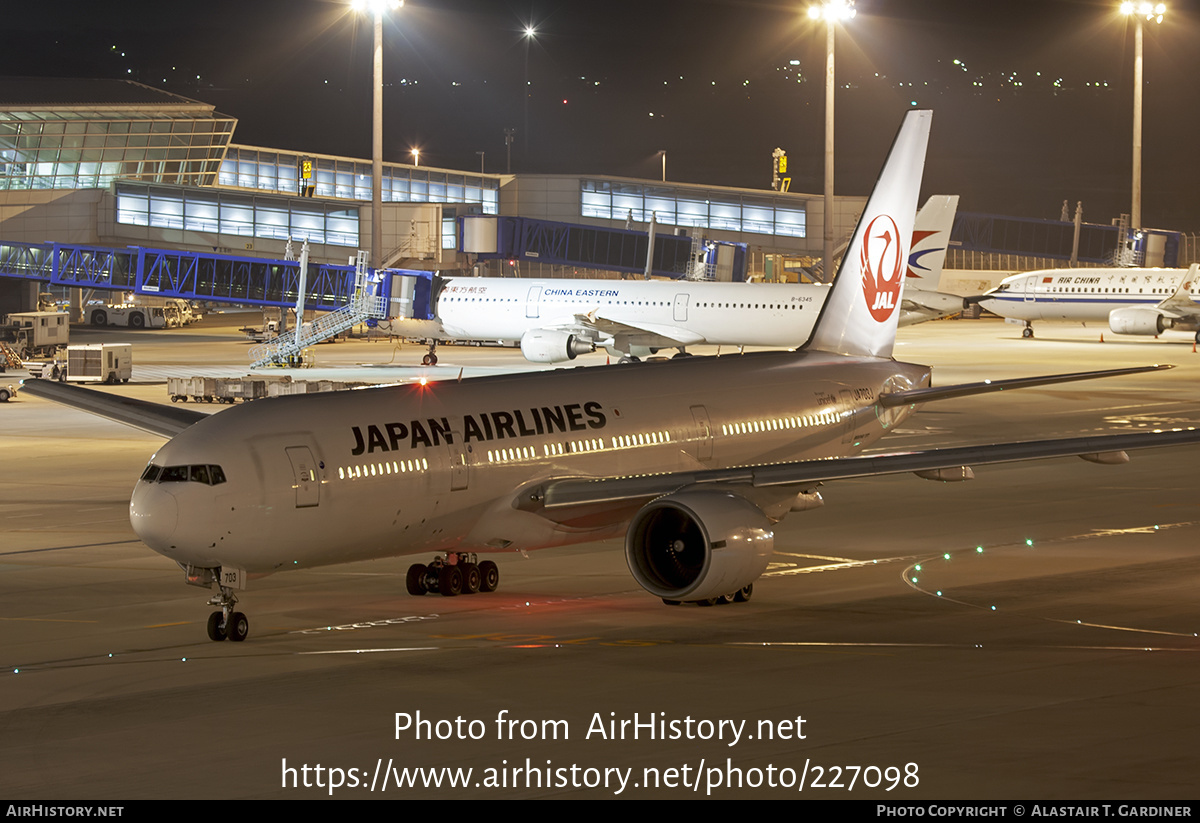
(304, 473)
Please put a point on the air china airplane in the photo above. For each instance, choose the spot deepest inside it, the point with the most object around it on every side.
(692, 460)
(556, 320)
(1131, 301)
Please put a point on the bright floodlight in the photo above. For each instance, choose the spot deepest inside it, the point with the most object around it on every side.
(1150, 11)
(833, 10)
(376, 6)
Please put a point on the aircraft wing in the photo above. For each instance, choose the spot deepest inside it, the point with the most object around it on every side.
(155, 418)
(1180, 304)
(563, 499)
(555, 498)
(670, 335)
(919, 305)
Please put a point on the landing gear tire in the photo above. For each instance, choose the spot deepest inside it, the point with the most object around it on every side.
(216, 628)
(1027, 332)
(708, 601)
(743, 594)
(489, 576)
(415, 582)
(237, 628)
(450, 582)
(430, 359)
(472, 578)
(1198, 337)
(667, 602)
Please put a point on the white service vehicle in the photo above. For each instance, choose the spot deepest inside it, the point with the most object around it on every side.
(37, 333)
(131, 315)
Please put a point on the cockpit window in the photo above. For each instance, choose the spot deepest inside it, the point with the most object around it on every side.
(208, 475)
(174, 474)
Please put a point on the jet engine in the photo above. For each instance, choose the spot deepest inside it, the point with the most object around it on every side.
(1133, 320)
(551, 346)
(698, 544)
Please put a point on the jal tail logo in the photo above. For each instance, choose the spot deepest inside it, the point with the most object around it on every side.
(882, 266)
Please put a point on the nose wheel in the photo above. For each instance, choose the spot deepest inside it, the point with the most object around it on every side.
(227, 624)
(456, 573)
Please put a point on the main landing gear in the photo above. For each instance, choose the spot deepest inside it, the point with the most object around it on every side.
(740, 596)
(227, 624)
(430, 359)
(456, 573)
(1027, 332)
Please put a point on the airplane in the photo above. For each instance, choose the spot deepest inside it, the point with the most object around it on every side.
(1131, 301)
(556, 320)
(692, 460)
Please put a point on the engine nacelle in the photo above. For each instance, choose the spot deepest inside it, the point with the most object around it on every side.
(698, 543)
(552, 346)
(1133, 320)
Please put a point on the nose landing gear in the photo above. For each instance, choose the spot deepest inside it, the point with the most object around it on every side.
(456, 573)
(227, 624)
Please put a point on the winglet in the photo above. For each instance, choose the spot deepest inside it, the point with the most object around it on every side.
(863, 308)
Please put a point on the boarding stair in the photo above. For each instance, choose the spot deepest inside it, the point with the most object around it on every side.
(287, 348)
(9, 359)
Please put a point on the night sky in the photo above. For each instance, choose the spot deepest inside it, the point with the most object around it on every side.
(710, 82)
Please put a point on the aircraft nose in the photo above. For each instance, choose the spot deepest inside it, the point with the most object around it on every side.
(154, 514)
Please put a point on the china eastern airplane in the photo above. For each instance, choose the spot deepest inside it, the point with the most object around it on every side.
(1130, 301)
(556, 320)
(692, 460)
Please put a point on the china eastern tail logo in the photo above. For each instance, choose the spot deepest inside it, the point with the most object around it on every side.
(882, 266)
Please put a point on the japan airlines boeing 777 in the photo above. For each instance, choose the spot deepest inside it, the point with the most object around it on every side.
(1130, 301)
(556, 320)
(693, 460)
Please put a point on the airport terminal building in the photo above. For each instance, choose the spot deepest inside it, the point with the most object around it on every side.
(116, 163)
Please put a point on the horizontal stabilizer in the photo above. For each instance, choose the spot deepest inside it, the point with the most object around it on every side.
(155, 418)
(903, 398)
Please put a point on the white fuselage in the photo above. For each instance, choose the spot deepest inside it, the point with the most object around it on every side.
(1082, 295)
(656, 313)
(318, 479)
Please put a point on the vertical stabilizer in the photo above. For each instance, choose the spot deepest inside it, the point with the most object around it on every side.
(931, 240)
(863, 308)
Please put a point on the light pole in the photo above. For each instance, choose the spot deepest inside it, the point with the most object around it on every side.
(377, 8)
(530, 31)
(1139, 11)
(831, 11)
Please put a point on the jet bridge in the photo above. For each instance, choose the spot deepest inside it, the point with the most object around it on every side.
(202, 276)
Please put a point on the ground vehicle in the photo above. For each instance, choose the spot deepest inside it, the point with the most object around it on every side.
(135, 317)
(99, 363)
(36, 333)
(88, 363)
